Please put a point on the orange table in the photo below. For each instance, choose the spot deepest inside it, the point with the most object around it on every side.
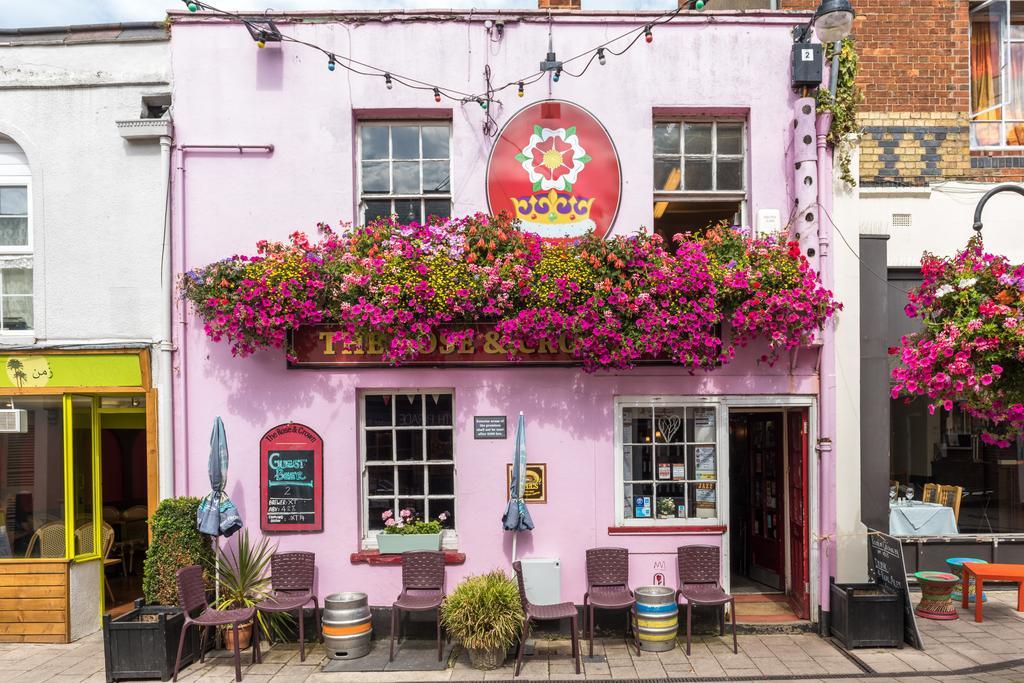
(992, 572)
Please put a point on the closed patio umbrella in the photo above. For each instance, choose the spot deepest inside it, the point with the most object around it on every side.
(217, 515)
(517, 516)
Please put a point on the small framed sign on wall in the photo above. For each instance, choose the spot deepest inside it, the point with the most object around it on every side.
(291, 479)
(535, 487)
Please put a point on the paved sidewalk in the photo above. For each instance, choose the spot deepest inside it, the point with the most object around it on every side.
(958, 650)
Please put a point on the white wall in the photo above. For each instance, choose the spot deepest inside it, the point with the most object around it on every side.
(98, 210)
(942, 216)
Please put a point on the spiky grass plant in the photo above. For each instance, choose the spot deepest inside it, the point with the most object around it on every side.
(483, 612)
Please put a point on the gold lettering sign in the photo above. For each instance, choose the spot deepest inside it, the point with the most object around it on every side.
(535, 489)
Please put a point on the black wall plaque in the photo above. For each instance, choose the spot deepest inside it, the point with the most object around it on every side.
(490, 427)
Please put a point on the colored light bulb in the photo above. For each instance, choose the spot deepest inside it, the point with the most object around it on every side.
(330, 64)
(261, 43)
(387, 81)
(699, 4)
(600, 56)
(483, 104)
(521, 92)
(558, 74)
(437, 95)
(193, 7)
(648, 36)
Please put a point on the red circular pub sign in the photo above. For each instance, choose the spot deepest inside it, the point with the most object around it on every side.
(554, 167)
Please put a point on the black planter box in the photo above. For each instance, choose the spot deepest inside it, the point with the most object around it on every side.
(866, 615)
(134, 649)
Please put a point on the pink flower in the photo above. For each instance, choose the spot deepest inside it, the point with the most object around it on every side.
(986, 379)
(389, 522)
(997, 369)
(405, 513)
(387, 514)
(443, 517)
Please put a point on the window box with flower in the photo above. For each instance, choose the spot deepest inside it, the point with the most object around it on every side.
(408, 532)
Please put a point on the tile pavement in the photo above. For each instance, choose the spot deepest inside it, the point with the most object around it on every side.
(954, 651)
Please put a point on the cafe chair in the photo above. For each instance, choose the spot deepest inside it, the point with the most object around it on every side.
(422, 591)
(930, 493)
(291, 580)
(950, 496)
(562, 610)
(83, 539)
(192, 598)
(50, 539)
(608, 588)
(700, 569)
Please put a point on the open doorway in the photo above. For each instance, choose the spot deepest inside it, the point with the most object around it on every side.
(768, 522)
(125, 478)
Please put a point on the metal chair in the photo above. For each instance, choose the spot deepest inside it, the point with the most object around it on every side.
(700, 569)
(192, 597)
(563, 610)
(608, 588)
(49, 538)
(291, 579)
(422, 591)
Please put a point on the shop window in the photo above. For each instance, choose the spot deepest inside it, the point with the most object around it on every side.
(699, 175)
(408, 458)
(997, 73)
(32, 481)
(405, 171)
(16, 314)
(667, 463)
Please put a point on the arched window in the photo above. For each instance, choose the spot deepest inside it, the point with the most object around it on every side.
(15, 239)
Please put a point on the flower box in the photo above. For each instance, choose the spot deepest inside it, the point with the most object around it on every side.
(393, 544)
(143, 642)
(866, 615)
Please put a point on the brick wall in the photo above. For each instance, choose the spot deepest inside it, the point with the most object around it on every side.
(914, 72)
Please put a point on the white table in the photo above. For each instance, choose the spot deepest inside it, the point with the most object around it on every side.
(921, 519)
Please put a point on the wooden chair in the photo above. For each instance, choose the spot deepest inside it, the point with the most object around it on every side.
(894, 484)
(50, 539)
(930, 493)
(950, 496)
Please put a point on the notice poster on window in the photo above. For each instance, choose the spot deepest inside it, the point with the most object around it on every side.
(704, 424)
(664, 470)
(641, 506)
(704, 461)
(291, 479)
(678, 471)
(705, 500)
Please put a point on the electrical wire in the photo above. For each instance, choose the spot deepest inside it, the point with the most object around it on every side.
(853, 251)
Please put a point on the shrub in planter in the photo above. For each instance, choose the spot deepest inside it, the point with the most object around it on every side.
(244, 582)
(484, 614)
(176, 543)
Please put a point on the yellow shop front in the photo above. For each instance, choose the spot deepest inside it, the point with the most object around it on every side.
(78, 482)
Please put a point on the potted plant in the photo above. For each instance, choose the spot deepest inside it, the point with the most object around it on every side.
(408, 532)
(666, 508)
(244, 582)
(142, 643)
(485, 615)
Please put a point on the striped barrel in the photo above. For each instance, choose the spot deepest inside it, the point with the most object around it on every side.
(656, 618)
(347, 626)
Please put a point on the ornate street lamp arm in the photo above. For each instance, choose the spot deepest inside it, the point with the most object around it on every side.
(995, 190)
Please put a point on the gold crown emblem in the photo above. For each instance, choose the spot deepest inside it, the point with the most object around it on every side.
(552, 208)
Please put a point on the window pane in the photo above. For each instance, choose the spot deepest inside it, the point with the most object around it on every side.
(405, 142)
(671, 465)
(439, 444)
(407, 210)
(670, 501)
(32, 481)
(81, 439)
(376, 508)
(637, 463)
(666, 138)
(378, 444)
(698, 174)
(730, 138)
(697, 138)
(435, 142)
(406, 177)
(442, 208)
(986, 62)
(378, 411)
(636, 425)
(439, 505)
(410, 480)
(380, 481)
(375, 177)
(729, 174)
(409, 444)
(700, 425)
(417, 505)
(666, 174)
(13, 231)
(439, 410)
(668, 425)
(375, 210)
(409, 410)
(703, 500)
(442, 480)
(436, 177)
(17, 313)
(14, 200)
(17, 280)
(1014, 106)
(984, 134)
(638, 501)
(374, 142)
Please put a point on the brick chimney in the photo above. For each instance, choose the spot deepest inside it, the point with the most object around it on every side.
(560, 4)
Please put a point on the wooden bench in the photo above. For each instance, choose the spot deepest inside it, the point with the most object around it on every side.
(991, 572)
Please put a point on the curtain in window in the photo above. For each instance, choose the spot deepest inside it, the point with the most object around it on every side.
(985, 77)
(1015, 106)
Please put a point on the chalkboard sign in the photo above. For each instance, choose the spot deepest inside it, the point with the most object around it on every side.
(291, 479)
(490, 427)
(885, 566)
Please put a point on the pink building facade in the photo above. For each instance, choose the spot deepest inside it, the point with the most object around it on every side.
(738, 450)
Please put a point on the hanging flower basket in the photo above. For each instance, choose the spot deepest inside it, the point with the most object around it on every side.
(620, 300)
(971, 350)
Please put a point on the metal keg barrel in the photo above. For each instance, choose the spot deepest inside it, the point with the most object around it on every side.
(656, 618)
(347, 626)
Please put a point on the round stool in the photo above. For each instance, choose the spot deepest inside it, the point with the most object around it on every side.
(936, 588)
(956, 566)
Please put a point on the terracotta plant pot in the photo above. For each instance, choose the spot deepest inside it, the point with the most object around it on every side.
(244, 636)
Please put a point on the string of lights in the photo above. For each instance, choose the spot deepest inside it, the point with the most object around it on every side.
(263, 30)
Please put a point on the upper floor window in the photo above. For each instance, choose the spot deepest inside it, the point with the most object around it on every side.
(15, 239)
(699, 174)
(405, 171)
(997, 74)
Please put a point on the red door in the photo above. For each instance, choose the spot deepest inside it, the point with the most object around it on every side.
(767, 535)
(796, 431)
